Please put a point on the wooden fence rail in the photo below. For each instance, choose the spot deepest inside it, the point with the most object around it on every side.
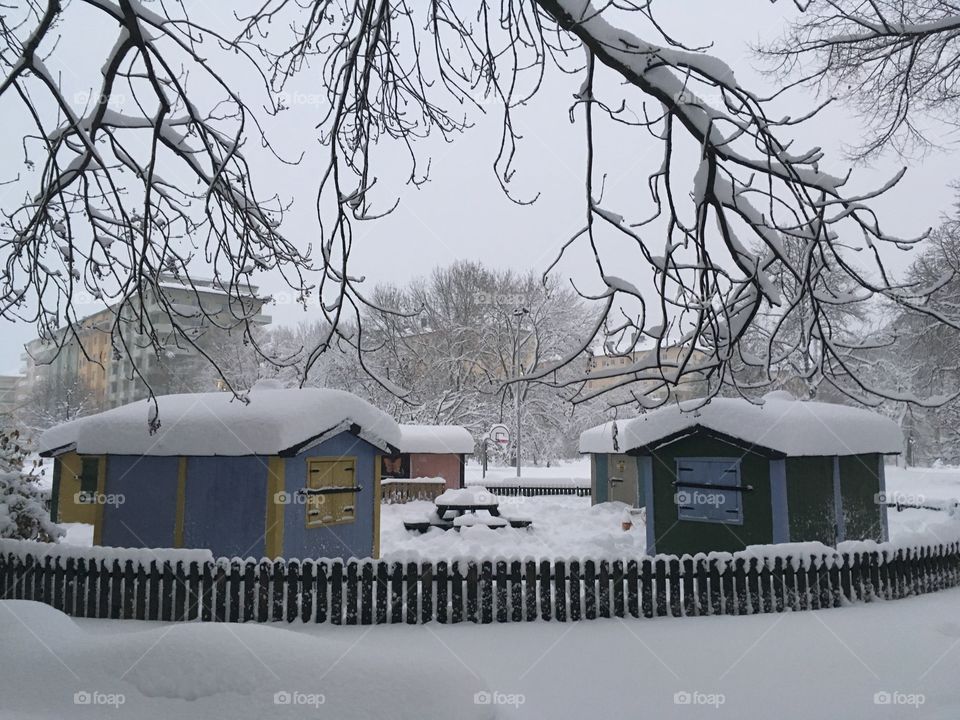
(403, 491)
(367, 592)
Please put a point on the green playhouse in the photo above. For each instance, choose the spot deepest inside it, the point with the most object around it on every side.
(731, 473)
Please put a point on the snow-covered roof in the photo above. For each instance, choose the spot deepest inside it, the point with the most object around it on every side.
(781, 424)
(437, 439)
(274, 421)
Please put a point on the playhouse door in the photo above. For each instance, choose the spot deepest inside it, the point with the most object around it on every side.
(622, 479)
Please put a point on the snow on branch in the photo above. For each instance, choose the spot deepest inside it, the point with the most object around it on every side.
(746, 272)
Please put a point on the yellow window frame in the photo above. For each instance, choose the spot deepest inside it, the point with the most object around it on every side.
(331, 508)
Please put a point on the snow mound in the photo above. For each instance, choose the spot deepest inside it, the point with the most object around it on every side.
(218, 424)
(206, 670)
(784, 425)
(173, 668)
(49, 625)
(563, 526)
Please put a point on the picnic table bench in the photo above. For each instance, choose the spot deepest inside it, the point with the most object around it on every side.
(458, 508)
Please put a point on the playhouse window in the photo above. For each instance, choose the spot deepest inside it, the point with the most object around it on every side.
(89, 470)
(709, 490)
(395, 466)
(331, 497)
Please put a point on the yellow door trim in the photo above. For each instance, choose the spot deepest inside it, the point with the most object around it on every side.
(101, 494)
(273, 528)
(376, 506)
(181, 503)
(70, 469)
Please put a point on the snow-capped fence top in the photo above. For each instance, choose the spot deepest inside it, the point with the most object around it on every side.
(140, 557)
(365, 592)
(780, 423)
(435, 439)
(273, 421)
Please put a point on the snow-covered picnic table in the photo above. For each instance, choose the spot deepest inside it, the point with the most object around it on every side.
(465, 507)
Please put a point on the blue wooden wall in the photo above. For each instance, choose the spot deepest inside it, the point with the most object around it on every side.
(225, 503)
(346, 540)
(148, 487)
(225, 507)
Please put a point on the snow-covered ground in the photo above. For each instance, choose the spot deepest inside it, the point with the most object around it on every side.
(565, 469)
(884, 660)
(871, 662)
(563, 526)
(77, 534)
(54, 667)
(920, 486)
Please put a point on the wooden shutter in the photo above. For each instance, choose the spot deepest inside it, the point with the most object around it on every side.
(331, 508)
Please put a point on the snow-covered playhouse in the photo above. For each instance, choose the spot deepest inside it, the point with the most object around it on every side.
(430, 451)
(733, 473)
(294, 473)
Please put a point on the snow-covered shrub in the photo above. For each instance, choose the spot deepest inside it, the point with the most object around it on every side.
(24, 506)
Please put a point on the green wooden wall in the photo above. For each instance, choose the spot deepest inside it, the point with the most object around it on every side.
(810, 499)
(599, 479)
(859, 485)
(688, 536)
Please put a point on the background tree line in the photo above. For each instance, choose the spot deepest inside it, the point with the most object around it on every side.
(445, 349)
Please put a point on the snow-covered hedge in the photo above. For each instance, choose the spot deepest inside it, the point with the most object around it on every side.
(24, 505)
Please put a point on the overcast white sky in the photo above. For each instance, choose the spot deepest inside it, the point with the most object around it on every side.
(462, 212)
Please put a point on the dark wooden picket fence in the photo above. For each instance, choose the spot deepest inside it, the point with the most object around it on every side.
(537, 490)
(368, 592)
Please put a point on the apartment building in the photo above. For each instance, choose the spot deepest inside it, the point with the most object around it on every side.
(605, 371)
(9, 395)
(87, 362)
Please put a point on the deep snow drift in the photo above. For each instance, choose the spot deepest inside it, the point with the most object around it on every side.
(52, 666)
(881, 661)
